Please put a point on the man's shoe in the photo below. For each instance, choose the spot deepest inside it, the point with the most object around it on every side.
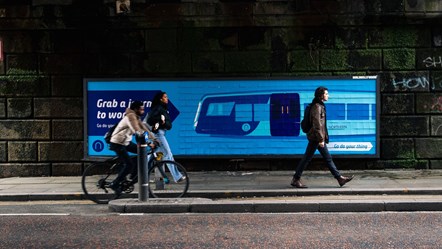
(344, 179)
(297, 183)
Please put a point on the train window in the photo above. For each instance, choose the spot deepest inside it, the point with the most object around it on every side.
(220, 109)
(335, 111)
(243, 112)
(261, 112)
(373, 112)
(358, 111)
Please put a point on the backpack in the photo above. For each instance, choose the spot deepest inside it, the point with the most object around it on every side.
(108, 135)
(306, 124)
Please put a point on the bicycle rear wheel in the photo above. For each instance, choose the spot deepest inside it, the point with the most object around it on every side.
(160, 188)
(96, 179)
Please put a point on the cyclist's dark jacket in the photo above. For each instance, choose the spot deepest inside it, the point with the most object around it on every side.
(155, 117)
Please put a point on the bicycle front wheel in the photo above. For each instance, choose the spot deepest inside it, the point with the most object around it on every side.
(162, 183)
(95, 182)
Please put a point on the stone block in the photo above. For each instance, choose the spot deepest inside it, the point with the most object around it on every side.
(67, 86)
(168, 62)
(67, 129)
(3, 151)
(243, 62)
(399, 37)
(60, 151)
(417, 81)
(254, 38)
(22, 64)
(436, 125)
(399, 59)
(24, 129)
(395, 6)
(19, 108)
(161, 40)
(68, 64)
(303, 60)
(352, 38)
(429, 59)
(436, 81)
(51, 2)
(312, 39)
(114, 40)
(2, 108)
(398, 148)
(67, 169)
(433, 6)
(208, 39)
(22, 151)
(24, 86)
(397, 103)
(350, 60)
(404, 126)
(24, 169)
(399, 164)
(429, 103)
(115, 64)
(428, 147)
(209, 62)
(435, 164)
(415, 5)
(67, 41)
(58, 107)
(437, 37)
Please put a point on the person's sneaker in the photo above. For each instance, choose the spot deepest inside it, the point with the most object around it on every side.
(116, 188)
(166, 180)
(183, 178)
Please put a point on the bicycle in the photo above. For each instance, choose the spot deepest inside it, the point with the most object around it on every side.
(98, 176)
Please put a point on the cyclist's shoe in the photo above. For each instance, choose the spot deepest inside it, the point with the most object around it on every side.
(182, 179)
(166, 180)
(116, 187)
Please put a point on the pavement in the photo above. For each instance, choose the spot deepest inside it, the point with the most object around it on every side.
(259, 191)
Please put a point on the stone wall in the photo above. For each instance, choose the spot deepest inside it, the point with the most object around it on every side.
(49, 46)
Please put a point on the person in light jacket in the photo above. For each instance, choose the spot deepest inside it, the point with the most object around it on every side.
(121, 142)
(317, 140)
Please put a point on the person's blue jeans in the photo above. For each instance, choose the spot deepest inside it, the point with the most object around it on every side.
(167, 154)
(308, 155)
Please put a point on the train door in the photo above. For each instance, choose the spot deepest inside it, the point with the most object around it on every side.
(284, 114)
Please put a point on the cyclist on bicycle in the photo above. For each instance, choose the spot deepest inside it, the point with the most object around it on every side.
(121, 142)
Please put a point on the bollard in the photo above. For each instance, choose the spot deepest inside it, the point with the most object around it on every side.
(143, 182)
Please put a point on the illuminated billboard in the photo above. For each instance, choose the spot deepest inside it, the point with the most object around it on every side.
(241, 117)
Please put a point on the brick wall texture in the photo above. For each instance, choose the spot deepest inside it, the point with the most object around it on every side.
(49, 46)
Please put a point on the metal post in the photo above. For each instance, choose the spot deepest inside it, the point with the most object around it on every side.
(143, 181)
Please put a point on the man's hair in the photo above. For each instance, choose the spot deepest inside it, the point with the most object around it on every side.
(320, 91)
(136, 105)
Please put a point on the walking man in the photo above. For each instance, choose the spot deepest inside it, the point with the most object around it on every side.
(317, 139)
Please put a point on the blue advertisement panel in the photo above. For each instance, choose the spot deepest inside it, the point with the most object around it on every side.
(240, 117)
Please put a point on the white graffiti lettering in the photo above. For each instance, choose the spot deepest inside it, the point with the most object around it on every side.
(411, 83)
(434, 61)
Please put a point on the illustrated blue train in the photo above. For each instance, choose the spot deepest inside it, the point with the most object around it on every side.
(279, 113)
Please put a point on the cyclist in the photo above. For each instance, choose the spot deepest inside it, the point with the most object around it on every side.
(121, 142)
